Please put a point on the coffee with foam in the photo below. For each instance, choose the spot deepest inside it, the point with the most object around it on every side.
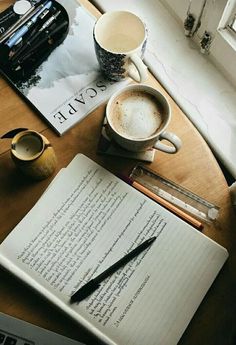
(137, 114)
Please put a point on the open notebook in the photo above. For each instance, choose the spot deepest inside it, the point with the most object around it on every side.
(86, 221)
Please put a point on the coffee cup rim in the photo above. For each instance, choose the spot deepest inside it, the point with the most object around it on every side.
(95, 34)
(16, 139)
(141, 87)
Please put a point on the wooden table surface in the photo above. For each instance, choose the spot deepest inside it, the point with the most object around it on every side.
(194, 167)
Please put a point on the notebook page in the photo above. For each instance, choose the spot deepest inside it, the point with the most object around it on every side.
(86, 221)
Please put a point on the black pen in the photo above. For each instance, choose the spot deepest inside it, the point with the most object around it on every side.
(21, 21)
(50, 21)
(48, 36)
(27, 16)
(32, 39)
(23, 30)
(94, 284)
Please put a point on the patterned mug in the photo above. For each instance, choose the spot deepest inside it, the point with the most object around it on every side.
(120, 39)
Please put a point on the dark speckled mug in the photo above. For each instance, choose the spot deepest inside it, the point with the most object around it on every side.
(120, 40)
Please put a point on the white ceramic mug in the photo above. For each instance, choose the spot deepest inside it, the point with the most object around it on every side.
(120, 40)
(137, 118)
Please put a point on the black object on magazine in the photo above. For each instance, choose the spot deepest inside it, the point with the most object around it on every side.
(47, 55)
(29, 40)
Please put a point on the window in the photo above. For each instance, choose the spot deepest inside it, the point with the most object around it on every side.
(212, 25)
(233, 24)
(227, 25)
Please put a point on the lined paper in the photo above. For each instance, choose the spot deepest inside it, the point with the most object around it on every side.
(86, 221)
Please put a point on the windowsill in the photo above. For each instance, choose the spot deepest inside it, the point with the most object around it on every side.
(197, 86)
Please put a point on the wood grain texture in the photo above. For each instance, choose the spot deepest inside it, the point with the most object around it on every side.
(194, 167)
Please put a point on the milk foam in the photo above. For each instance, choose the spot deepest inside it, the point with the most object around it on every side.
(137, 115)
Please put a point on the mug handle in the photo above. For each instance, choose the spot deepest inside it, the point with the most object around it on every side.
(173, 139)
(140, 67)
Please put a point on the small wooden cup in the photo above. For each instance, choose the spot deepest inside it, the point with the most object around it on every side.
(33, 154)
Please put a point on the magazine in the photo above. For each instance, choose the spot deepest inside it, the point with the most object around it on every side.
(67, 85)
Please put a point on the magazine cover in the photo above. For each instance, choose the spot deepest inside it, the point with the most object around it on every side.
(54, 65)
